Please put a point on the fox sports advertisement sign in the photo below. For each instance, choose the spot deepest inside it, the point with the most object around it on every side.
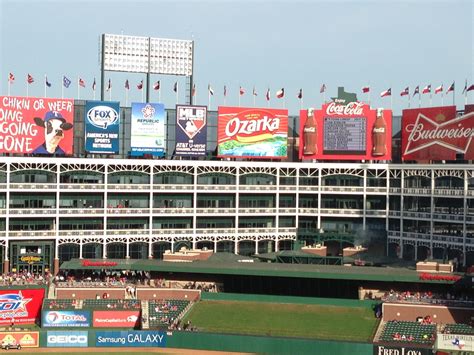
(148, 129)
(102, 123)
(191, 130)
(252, 132)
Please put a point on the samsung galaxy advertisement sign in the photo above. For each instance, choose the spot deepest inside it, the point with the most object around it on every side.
(102, 124)
(75, 319)
(130, 338)
(148, 129)
(191, 130)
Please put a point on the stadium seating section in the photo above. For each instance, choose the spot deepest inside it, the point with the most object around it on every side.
(106, 304)
(459, 329)
(59, 304)
(413, 332)
(163, 313)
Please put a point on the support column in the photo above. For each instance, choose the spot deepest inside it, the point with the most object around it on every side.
(236, 246)
(150, 249)
(416, 251)
(277, 249)
(56, 258)
(80, 249)
(104, 250)
(127, 250)
(256, 247)
(215, 245)
(172, 246)
(194, 244)
(6, 262)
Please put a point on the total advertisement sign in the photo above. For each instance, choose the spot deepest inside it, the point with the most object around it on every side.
(345, 130)
(437, 133)
(191, 130)
(130, 338)
(20, 306)
(25, 339)
(252, 132)
(449, 342)
(102, 125)
(32, 125)
(148, 129)
(66, 339)
(400, 350)
(52, 319)
(110, 319)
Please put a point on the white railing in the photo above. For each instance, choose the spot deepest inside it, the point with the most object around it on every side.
(177, 187)
(173, 210)
(29, 186)
(31, 211)
(63, 210)
(263, 210)
(342, 189)
(342, 211)
(216, 187)
(134, 187)
(82, 186)
(257, 187)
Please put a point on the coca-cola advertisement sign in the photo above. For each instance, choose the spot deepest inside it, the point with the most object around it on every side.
(437, 133)
(252, 132)
(343, 130)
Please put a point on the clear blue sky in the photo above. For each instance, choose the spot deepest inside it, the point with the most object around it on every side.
(289, 44)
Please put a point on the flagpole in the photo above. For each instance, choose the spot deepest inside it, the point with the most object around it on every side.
(159, 94)
(94, 94)
(409, 99)
(27, 88)
(62, 89)
(209, 99)
(44, 85)
(126, 97)
(442, 99)
(110, 93)
(9, 86)
(142, 94)
(241, 95)
(431, 98)
(324, 96)
(253, 94)
(419, 98)
(177, 90)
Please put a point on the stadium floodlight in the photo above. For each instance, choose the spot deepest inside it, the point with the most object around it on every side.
(137, 54)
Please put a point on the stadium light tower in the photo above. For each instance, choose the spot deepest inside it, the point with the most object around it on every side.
(135, 54)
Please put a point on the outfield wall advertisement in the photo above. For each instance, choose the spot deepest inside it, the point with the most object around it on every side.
(252, 132)
(21, 306)
(76, 319)
(148, 129)
(67, 339)
(102, 125)
(111, 319)
(130, 338)
(25, 339)
(32, 125)
(191, 130)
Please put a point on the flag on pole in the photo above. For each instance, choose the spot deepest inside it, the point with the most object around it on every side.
(405, 92)
(470, 88)
(127, 85)
(254, 92)
(280, 93)
(82, 83)
(11, 78)
(463, 90)
(211, 91)
(439, 89)
(66, 81)
(109, 86)
(451, 88)
(175, 87)
(300, 94)
(323, 89)
(225, 91)
(93, 85)
(241, 91)
(157, 85)
(426, 89)
(386, 93)
(46, 82)
(30, 79)
(365, 89)
(267, 96)
(140, 85)
(193, 91)
(417, 90)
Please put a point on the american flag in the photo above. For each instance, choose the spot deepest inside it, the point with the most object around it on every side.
(30, 79)
(140, 85)
(156, 86)
(82, 83)
(323, 88)
(11, 78)
(241, 91)
(280, 93)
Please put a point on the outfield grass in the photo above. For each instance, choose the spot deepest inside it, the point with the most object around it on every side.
(287, 320)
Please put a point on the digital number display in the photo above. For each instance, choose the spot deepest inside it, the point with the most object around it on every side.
(345, 135)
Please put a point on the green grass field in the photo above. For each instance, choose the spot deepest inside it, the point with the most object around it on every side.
(282, 319)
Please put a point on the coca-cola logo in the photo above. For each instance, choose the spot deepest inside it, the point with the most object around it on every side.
(454, 134)
(351, 109)
(255, 125)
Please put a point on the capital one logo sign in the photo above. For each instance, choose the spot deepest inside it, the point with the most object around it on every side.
(425, 133)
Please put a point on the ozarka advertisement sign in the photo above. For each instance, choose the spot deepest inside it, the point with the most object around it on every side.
(252, 132)
(435, 133)
(21, 306)
(36, 125)
(191, 130)
(343, 130)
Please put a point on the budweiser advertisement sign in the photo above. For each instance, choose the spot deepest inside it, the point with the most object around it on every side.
(252, 132)
(345, 130)
(20, 306)
(436, 133)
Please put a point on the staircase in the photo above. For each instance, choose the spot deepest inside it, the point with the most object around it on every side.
(145, 320)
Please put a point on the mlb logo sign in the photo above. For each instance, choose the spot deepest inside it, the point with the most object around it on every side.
(191, 119)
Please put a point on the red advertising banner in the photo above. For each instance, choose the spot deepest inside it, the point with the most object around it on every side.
(436, 133)
(110, 319)
(346, 131)
(244, 132)
(20, 306)
(25, 339)
(36, 125)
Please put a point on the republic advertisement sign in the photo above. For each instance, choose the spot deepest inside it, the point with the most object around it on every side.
(21, 306)
(111, 319)
(67, 339)
(76, 319)
(32, 125)
(435, 133)
(244, 132)
(144, 338)
(343, 130)
(25, 339)
(191, 130)
(450, 342)
(102, 124)
(148, 129)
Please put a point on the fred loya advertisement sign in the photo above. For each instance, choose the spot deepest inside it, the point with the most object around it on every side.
(252, 132)
(42, 126)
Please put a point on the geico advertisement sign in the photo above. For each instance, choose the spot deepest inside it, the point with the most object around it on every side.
(67, 339)
(392, 350)
(130, 338)
(66, 319)
(115, 318)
